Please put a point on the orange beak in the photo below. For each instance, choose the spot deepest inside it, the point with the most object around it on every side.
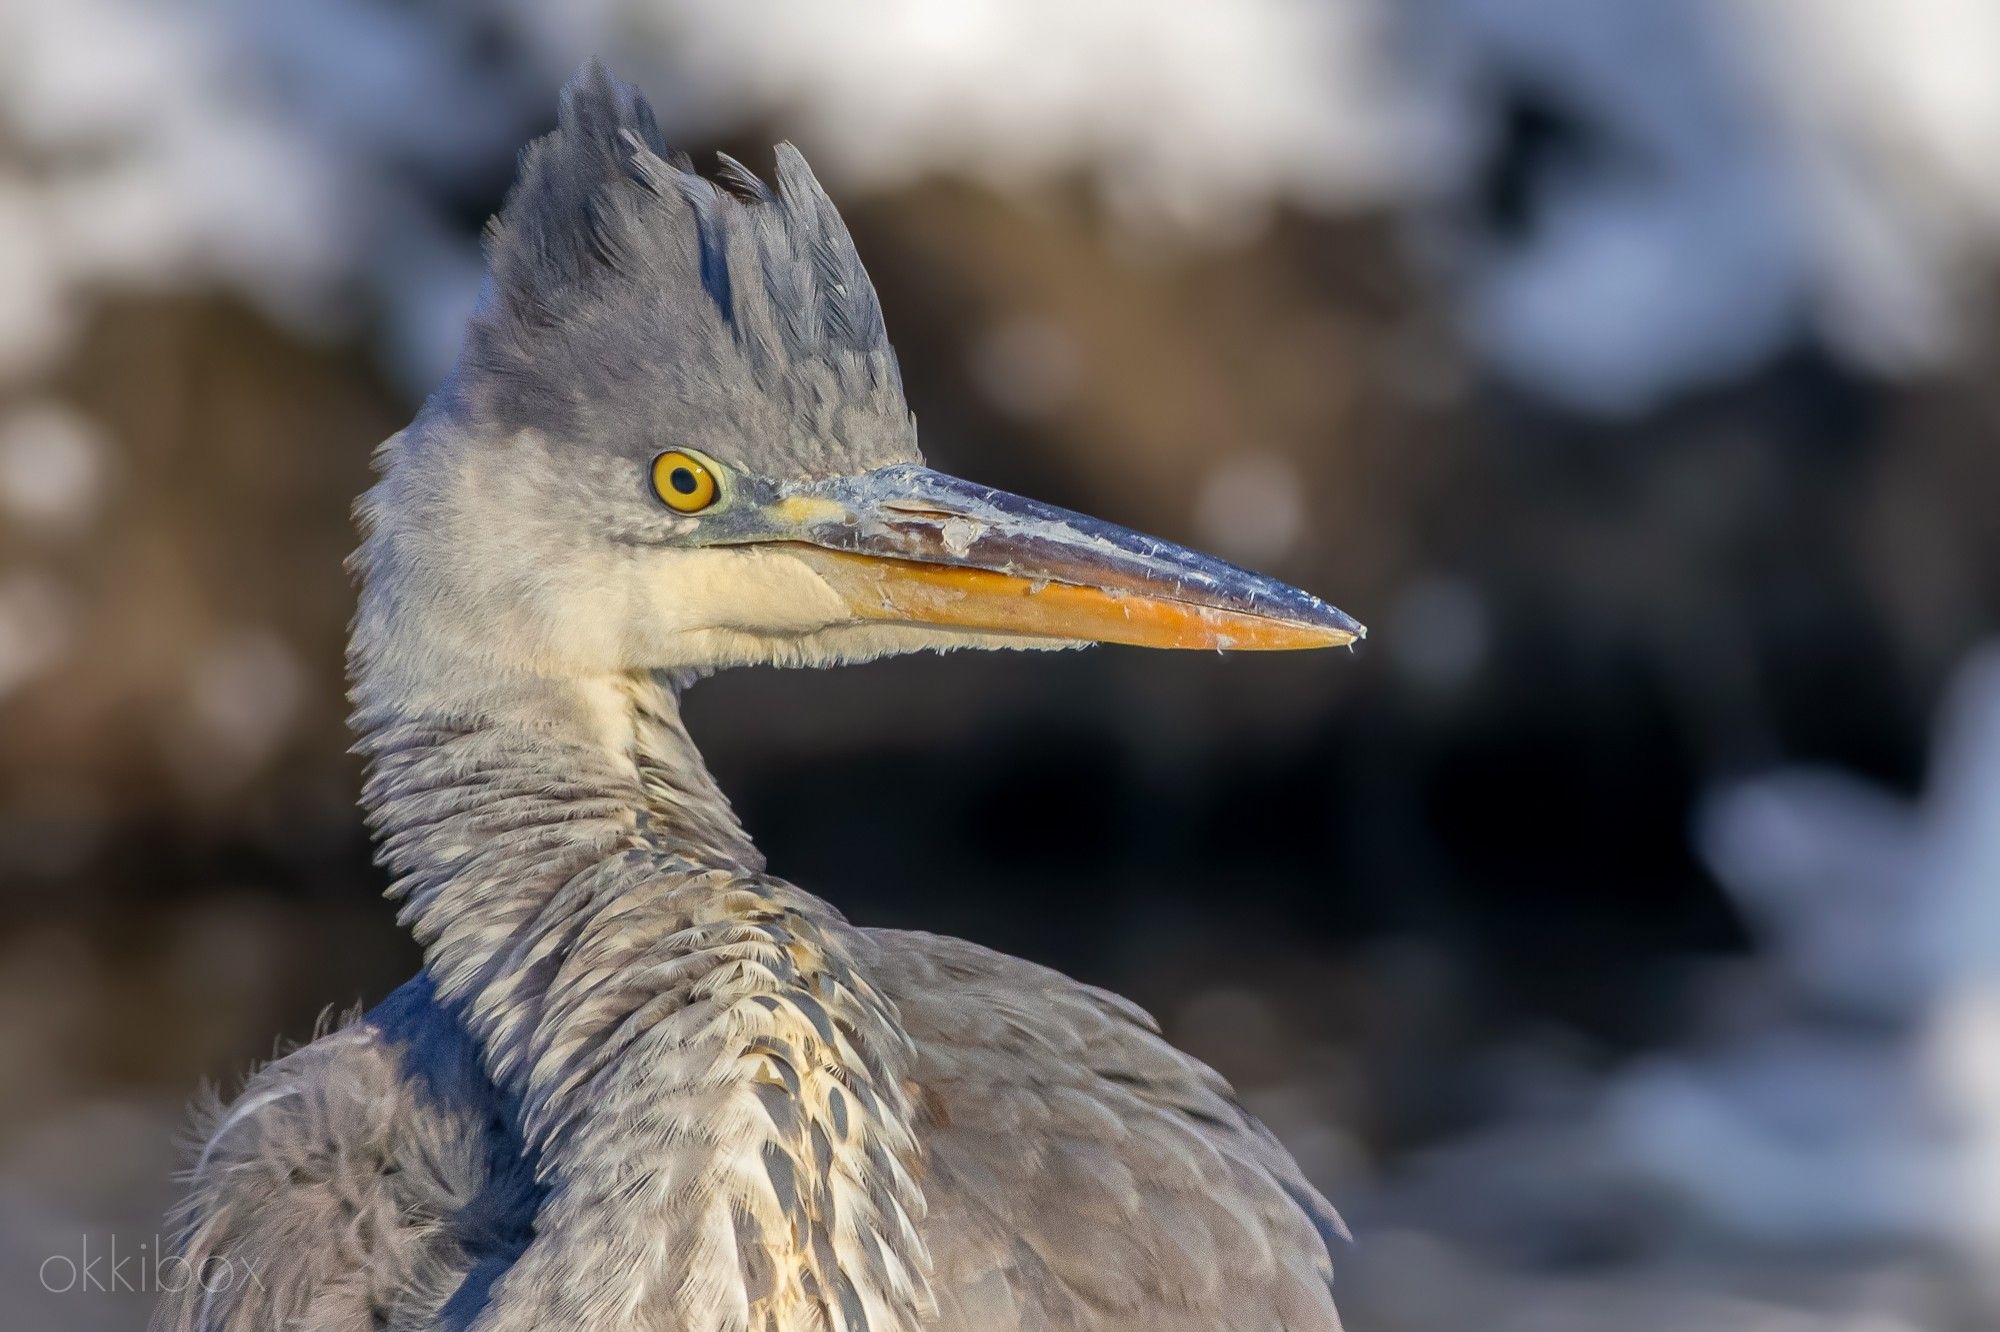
(907, 545)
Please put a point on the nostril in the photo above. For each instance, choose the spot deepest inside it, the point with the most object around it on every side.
(919, 509)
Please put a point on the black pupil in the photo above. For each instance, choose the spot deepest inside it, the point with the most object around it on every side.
(682, 479)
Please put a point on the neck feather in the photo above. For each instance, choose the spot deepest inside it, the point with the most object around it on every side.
(715, 1093)
(491, 816)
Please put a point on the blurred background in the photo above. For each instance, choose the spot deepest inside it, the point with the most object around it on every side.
(1615, 937)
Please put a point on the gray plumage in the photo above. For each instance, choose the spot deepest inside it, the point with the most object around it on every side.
(625, 291)
(640, 1082)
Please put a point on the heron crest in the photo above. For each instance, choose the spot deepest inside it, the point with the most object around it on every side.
(627, 292)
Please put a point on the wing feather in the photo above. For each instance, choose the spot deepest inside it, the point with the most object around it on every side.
(367, 1180)
(1083, 1173)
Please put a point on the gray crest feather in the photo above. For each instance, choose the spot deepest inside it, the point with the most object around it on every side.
(628, 294)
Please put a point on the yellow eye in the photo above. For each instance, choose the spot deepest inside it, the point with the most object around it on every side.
(683, 482)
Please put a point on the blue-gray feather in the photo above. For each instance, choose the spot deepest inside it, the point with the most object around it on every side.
(629, 295)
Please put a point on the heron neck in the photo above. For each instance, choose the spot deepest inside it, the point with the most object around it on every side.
(489, 814)
(716, 1094)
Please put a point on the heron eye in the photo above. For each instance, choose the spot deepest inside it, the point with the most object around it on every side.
(683, 482)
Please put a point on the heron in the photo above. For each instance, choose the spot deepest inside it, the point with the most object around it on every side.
(640, 1083)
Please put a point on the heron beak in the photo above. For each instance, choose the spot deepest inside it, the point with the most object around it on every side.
(908, 545)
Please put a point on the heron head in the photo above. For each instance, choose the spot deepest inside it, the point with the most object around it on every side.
(677, 440)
